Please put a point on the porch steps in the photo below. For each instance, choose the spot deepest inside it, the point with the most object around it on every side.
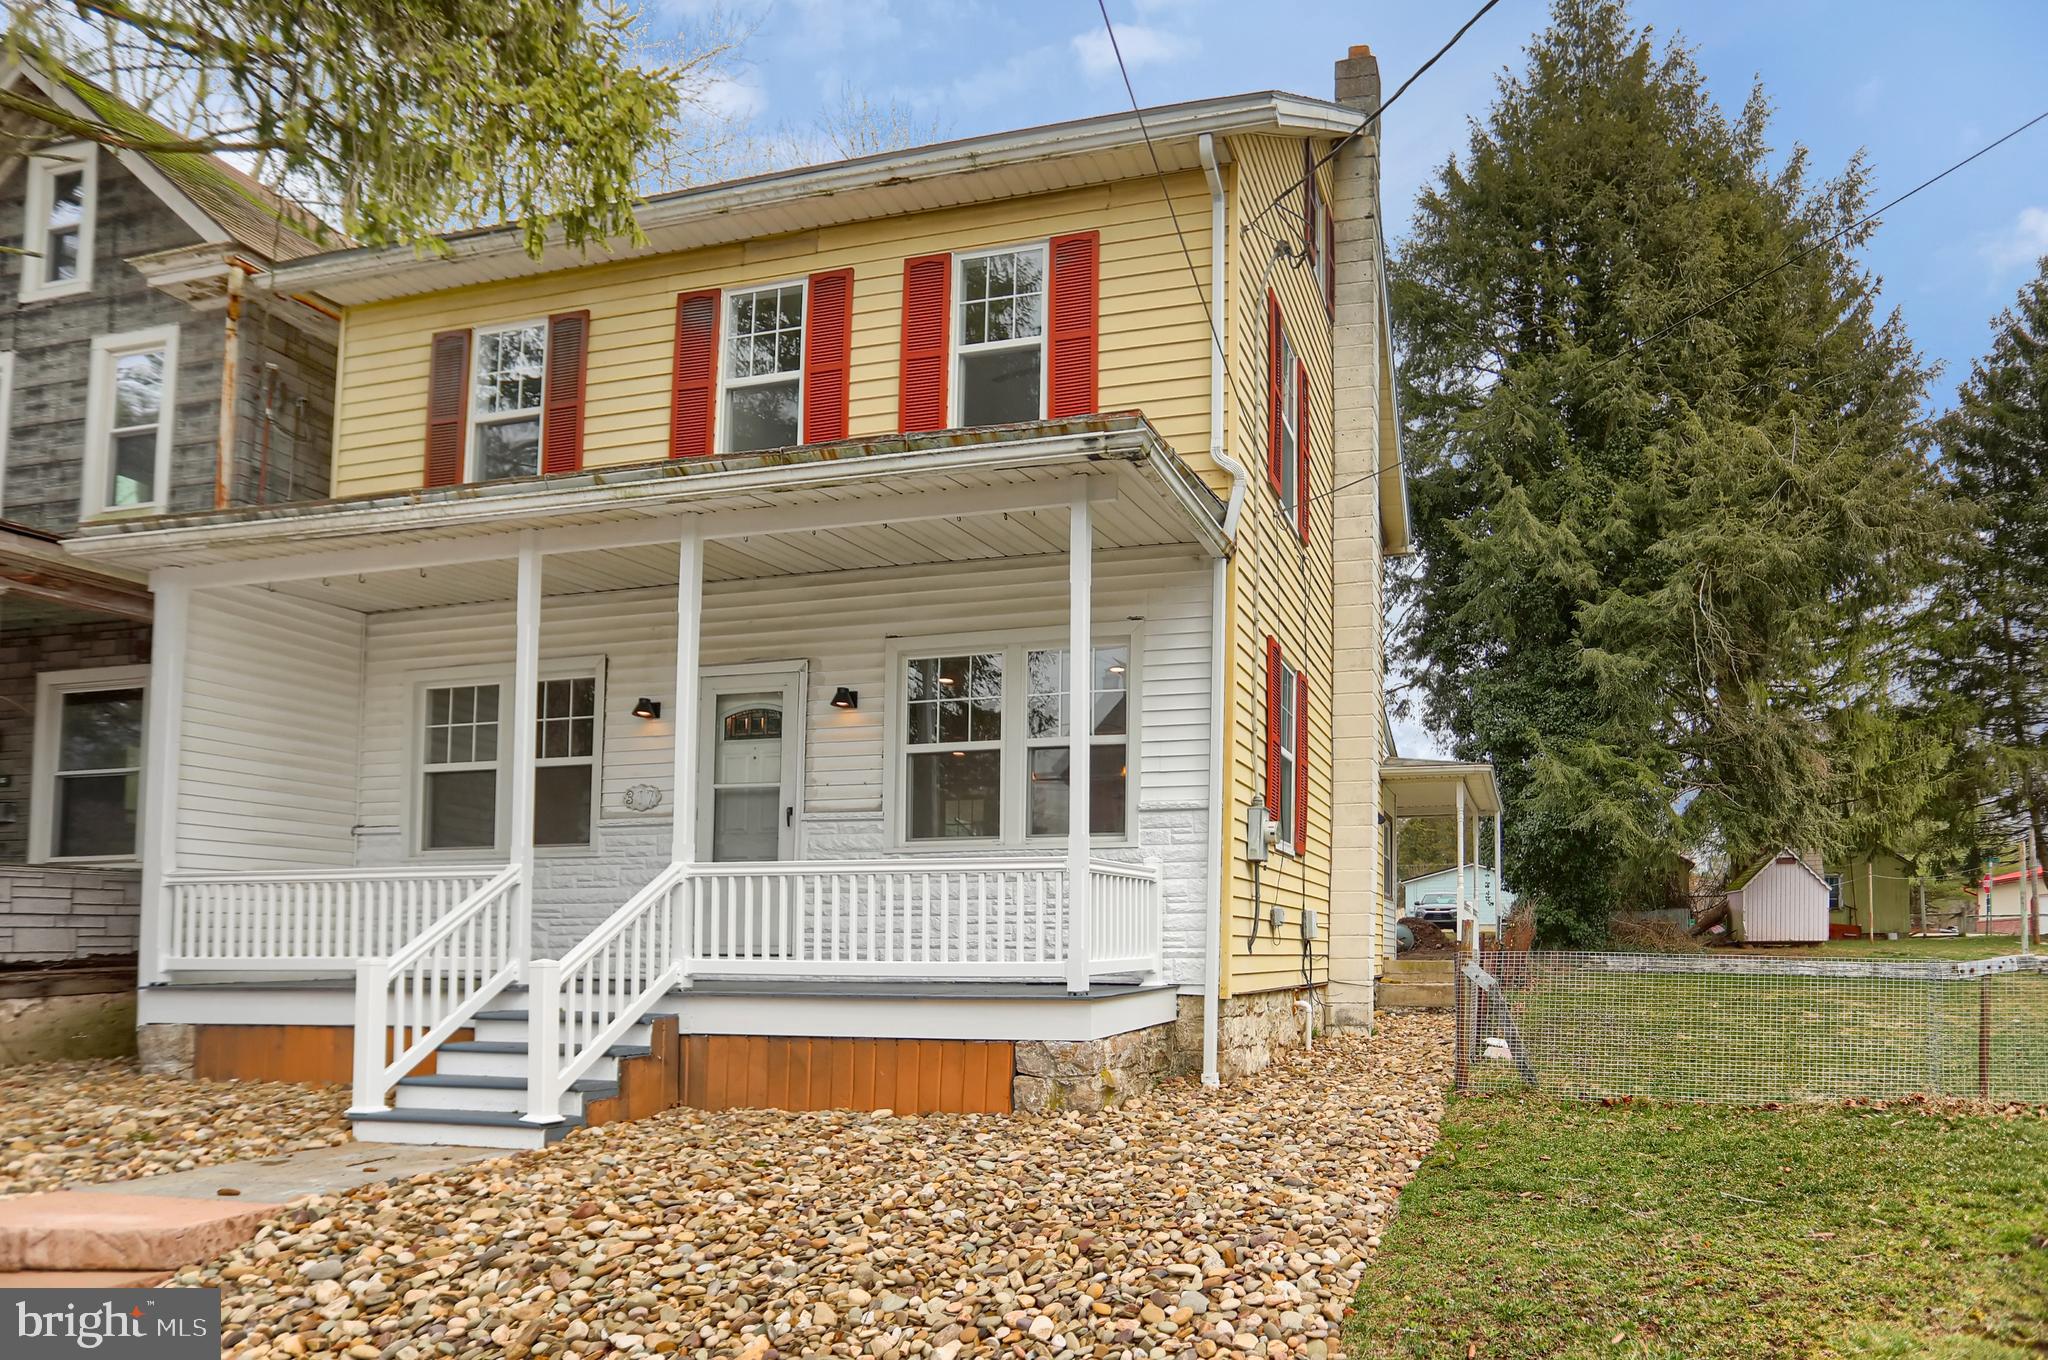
(476, 1093)
(1415, 984)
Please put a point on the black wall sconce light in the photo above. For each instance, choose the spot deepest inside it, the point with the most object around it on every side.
(647, 708)
(846, 698)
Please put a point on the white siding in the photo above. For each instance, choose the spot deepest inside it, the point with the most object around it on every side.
(268, 749)
(1783, 904)
(841, 624)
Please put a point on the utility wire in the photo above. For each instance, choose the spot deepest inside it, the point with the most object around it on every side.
(1369, 123)
(1786, 262)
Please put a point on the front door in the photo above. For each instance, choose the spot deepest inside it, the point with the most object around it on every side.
(751, 736)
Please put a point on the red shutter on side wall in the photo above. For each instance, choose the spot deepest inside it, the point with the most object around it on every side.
(1274, 676)
(694, 401)
(828, 355)
(927, 290)
(1330, 265)
(1309, 198)
(1301, 483)
(1075, 333)
(1301, 765)
(1273, 391)
(447, 406)
(561, 426)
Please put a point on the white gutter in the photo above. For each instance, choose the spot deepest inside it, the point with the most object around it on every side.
(1219, 588)
(1239, 480)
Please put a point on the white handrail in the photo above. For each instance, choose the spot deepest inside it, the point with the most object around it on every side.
(408, 1004)
(579, 1006)
(306, 920)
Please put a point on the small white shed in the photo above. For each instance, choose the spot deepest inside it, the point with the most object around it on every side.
(1781, 899)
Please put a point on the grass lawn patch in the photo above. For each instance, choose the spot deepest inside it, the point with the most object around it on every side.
(1540, 1227)
(1930, 947)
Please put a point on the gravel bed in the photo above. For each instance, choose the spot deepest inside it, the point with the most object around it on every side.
(1189, 1222)
(73, 1123)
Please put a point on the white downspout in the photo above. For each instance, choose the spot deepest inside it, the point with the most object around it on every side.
(1219, 664)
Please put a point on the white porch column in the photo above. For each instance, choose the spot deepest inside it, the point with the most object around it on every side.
(162, 741)
(689, 632)
(525, 714)
(1500, 900)
(1464, 906)
(1080, 712)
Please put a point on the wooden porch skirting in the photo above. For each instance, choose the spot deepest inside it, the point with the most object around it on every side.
(702, 1071)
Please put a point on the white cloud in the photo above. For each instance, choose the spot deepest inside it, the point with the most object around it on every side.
(739, 98)
(2021, 244)
(1142, 46)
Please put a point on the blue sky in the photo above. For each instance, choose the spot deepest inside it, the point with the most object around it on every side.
(1914, 86)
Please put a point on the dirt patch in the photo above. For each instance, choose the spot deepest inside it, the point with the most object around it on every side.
(1428, 938)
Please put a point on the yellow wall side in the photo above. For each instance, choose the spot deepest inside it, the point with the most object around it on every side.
(1154, 345)
(1283, 588)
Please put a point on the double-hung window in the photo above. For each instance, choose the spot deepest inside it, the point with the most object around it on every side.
(506, 395)
(764, 368)
(984, 749)
(465, 763)
(1287, 725)
(57, 236)
(131, 410)
(1049, 757)
(88, 763)
(1001, 365)
(1289, 452)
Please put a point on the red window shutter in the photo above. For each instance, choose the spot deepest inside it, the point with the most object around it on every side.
(1273, 391)
(1300, 829)
(1301, 486)
(561, 426)
(927, 299)
(694, 402)
(1274, 677)
(1309, 198)
(1075, 333)
(447, 406)
(1330, 265)
(828, 355)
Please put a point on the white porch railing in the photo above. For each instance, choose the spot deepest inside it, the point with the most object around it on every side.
(997, 920)
(948, 921)
(306, 922)
(409, 1003)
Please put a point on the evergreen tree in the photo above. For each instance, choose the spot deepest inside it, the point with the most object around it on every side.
(1991, 656)
(1668, 565)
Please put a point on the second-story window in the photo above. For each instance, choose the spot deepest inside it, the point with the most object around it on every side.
(505, 402)
(1290, 429)
(1002, 336)
(58, 234)
(131, 409)
(764, 367)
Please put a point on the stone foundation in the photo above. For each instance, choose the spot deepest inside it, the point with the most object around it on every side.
(167, 1050)
(1253, 1028)
(1089, 1074)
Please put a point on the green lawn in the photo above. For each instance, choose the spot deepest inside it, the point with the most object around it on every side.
(1933, 947)
(1688, 1232)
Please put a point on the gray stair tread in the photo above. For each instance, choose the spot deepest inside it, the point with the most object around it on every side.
(525, 1014)
(505, 1046)
(475, 1119)
(589, 1086)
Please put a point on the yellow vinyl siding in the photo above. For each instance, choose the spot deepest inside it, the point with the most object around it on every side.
(1154, 340)
(1280, 587)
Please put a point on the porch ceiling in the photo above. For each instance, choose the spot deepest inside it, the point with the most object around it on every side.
(1418, 787)
(898, 500)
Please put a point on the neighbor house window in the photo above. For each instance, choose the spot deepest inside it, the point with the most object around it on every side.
(131, 411)
(764, 365)
(984, 748)
(1002, 336)
(953, 706)
(465, 763)
(1834, 892)
(88, 763)
(505, 401)
(57, 238)
(1049, 758)
(565, 777)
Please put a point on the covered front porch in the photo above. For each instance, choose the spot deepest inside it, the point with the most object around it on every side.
(768, 723)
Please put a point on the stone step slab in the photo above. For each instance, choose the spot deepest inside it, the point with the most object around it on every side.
(70, 1231)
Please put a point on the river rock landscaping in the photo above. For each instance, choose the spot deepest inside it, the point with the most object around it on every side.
(74, 1123)
(1189, 1222)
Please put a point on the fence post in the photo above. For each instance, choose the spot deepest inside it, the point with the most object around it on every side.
(1463, 999)
(543, 1041)
(373, 981)
(1984, 1038)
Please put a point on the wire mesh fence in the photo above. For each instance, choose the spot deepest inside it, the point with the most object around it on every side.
(1751, 1028)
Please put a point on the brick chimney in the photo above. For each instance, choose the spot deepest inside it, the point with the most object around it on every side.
(1358, 80)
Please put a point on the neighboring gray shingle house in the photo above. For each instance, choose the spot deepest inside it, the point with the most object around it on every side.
(145, 368)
